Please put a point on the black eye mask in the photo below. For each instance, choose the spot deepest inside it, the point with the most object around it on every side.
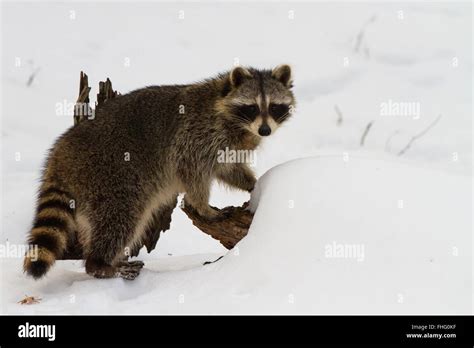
(278, 111)
(248, 112)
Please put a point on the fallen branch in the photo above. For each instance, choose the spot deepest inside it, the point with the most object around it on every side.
(228, 231)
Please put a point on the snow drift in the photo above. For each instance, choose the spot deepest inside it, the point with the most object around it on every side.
(331, 234)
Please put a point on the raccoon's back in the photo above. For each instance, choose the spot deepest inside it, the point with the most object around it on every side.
(142, 114)
(129, 139)
(142, 120)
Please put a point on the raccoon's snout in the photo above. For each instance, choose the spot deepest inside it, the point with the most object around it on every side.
(264, 130)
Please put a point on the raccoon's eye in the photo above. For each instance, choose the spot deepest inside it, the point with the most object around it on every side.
(278, 110)
(249, 111)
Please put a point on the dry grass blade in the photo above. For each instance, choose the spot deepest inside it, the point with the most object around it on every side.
(28, 300)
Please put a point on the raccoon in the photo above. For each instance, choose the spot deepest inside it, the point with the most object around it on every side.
(106, 179)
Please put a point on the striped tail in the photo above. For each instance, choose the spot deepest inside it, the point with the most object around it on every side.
(49, 236)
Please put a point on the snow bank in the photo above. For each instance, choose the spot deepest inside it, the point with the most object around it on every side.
(330, 235)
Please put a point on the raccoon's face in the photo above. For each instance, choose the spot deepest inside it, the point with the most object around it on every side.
(260, 100)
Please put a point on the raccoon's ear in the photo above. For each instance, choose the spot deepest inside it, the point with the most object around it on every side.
(238, 75)
(283, 74)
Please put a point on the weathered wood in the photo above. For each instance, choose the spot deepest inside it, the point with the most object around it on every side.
(81, 109)
(161, 222)
(230, 230)
(106, 92)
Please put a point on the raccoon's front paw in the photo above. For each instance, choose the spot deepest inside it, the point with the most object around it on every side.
(205, 212)
(250, 184)
(129, 270)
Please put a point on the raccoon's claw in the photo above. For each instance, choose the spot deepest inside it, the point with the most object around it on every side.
(129, 270)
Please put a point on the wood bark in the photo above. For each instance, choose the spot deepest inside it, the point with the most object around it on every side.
(230, 230)
(82, 103)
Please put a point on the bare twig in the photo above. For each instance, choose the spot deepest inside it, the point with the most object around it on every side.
(419, 135)
(359, 40)
(32, 77)
(339, 115)
(366, 131)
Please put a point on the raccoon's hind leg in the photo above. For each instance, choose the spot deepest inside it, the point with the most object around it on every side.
(129, 269)
(123, 269)
(112, 232)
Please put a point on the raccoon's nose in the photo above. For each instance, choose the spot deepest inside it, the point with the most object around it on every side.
(264, 130)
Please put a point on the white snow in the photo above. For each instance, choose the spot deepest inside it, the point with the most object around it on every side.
(406, 219)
